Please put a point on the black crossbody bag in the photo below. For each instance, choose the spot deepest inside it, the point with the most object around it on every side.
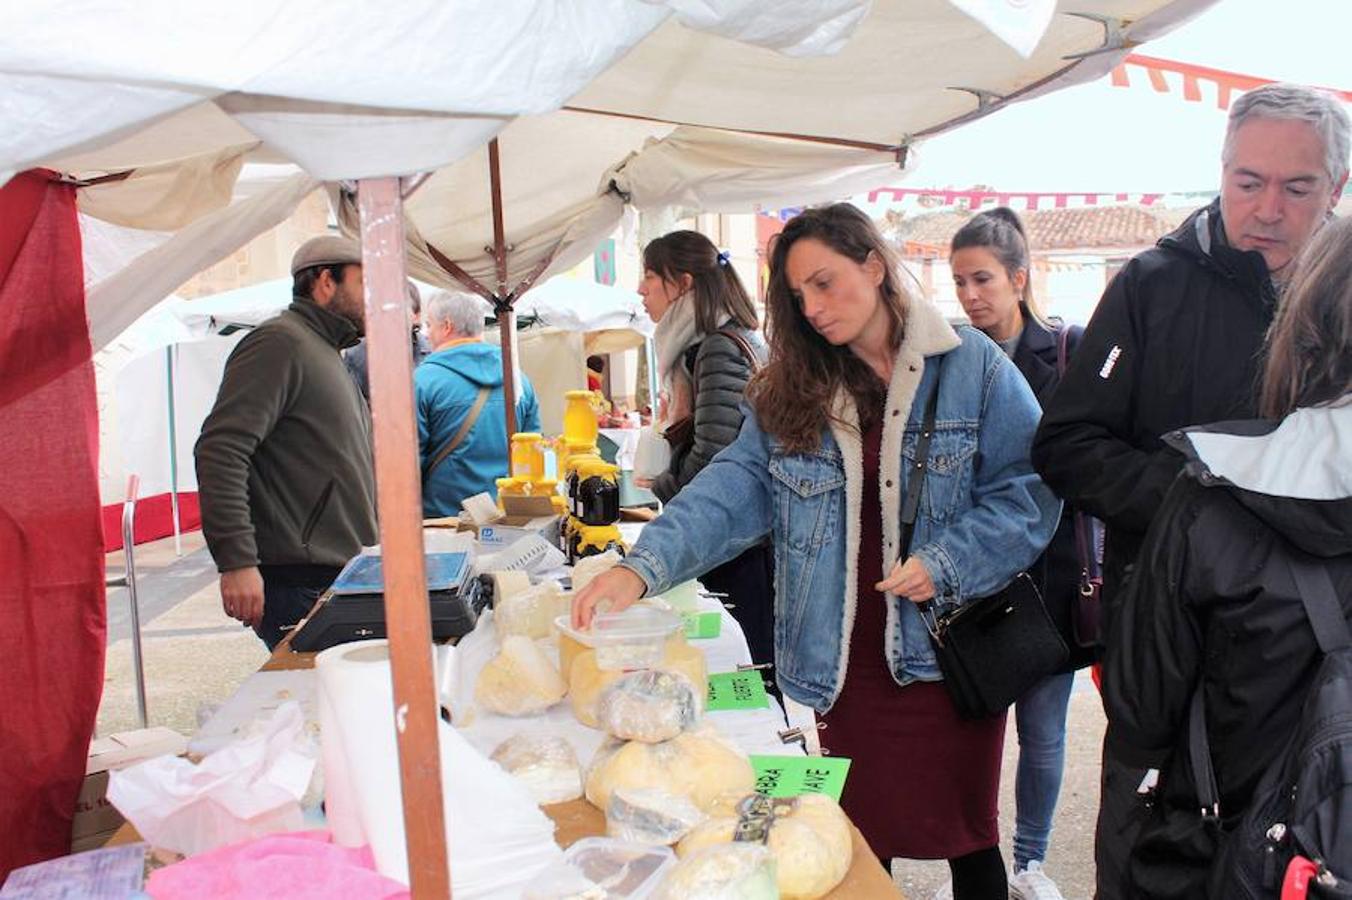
(992, 649)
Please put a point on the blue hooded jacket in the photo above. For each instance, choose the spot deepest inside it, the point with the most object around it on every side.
(446, 385)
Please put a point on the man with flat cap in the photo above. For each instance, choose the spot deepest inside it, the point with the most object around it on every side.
(284, 463)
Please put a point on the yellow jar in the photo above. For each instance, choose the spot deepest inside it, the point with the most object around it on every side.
(579, 419)
(528, 456)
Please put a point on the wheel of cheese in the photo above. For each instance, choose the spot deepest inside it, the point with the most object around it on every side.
(812, 845)
(697, 765)
(586, 680)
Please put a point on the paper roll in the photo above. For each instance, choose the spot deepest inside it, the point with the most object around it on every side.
(496, 835)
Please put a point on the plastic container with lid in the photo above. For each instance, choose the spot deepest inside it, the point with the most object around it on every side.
(528, 456)
(632, 639)
(604, 868)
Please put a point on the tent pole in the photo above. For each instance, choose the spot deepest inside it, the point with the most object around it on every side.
(399, 503)
(504, 302)
(173, 453)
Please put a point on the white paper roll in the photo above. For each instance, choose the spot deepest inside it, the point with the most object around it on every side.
(497, 837)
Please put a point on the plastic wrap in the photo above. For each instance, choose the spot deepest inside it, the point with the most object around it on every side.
(721, 872)
(697, 765)
(809, 836)
(519, 681)
(588, 567)
(650, 816)
(531, 611)
(602, 868)
(650, 706)
(545, 763)
(586, 679)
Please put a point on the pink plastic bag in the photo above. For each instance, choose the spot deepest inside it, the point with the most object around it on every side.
(291, 866)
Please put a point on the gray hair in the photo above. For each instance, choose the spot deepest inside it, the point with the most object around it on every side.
(1320, 110)
(464, 312)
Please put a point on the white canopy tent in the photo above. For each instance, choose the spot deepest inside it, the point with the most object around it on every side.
(675, 103)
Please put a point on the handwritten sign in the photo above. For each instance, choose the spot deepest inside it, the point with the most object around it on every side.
(736, 690)
(789, 776)
(700, 626)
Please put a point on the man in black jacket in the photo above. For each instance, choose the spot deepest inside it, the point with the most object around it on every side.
(1176, 341)
(284, 463)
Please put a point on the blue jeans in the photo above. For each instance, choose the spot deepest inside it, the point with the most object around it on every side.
(1040, 716)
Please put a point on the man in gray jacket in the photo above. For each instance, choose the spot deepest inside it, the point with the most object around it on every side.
(284, 463)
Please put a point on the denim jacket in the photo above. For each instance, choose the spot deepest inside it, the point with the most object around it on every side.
(984, 514)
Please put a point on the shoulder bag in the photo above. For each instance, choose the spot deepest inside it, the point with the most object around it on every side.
(992, 649)
(1086, 611)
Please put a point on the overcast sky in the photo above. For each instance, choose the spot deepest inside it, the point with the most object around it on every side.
(1100, 138)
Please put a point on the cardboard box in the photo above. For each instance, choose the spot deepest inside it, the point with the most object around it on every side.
(521, 516)
(95, 818)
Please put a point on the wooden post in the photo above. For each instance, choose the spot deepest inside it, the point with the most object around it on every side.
(399, 502)
(504, 306)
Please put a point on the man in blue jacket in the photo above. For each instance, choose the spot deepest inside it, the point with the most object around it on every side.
(462, 418)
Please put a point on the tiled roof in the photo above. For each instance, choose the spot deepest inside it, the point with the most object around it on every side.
(1093, 227)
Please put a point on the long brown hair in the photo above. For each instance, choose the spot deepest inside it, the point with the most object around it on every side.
(792, 395)
(714, 286)
(1309, 346)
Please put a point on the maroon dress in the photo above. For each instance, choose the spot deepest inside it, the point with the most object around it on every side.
(923, 783)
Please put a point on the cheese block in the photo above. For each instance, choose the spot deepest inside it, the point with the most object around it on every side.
(650, 816)
(586, 680)
(530, 612)
(508, 583)
(721, 872)
(545, 763)
(698, 765)
(809, 836)
(519, 681)
(650, 705)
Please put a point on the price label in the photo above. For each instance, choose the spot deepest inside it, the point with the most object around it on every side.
(789, 776)
(736, 690)
(700, 626)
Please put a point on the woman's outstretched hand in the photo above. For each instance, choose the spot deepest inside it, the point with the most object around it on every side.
(610, 591)
(909, 580)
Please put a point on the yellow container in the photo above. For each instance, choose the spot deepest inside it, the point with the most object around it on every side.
(511, 487)
(579, 419)
(528, 456)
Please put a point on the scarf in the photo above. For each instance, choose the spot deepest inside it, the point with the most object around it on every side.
(676, 332)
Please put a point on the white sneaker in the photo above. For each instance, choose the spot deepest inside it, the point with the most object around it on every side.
(1032, 884)
(945, 892)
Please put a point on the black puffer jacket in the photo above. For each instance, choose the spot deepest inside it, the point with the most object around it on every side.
(1212, 601)
(1057, 570)
(720, 373)
(1175, 342)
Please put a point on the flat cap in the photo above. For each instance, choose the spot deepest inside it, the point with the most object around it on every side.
(326, 250)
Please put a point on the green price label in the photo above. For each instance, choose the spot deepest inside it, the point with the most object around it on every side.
(736, 690)
(789, 776)
(699, 626)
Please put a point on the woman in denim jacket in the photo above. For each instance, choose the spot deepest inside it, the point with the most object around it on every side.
(820, 464)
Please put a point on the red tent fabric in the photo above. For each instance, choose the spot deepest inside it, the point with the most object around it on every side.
(51, 544)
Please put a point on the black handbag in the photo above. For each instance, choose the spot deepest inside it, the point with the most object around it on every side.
(992, 649)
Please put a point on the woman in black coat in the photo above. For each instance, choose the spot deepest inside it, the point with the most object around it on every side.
(990, 263)
(1213, 604)
(708, 346)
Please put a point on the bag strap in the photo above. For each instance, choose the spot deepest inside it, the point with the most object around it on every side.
(743, 345)
(1320, 599)
(449, 447)
(915, 481)
(1086, 547)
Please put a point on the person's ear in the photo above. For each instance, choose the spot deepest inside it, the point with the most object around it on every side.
(686, 281)
(875, 268)
(1020, 281)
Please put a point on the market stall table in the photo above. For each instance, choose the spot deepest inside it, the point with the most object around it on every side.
(577, 819)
